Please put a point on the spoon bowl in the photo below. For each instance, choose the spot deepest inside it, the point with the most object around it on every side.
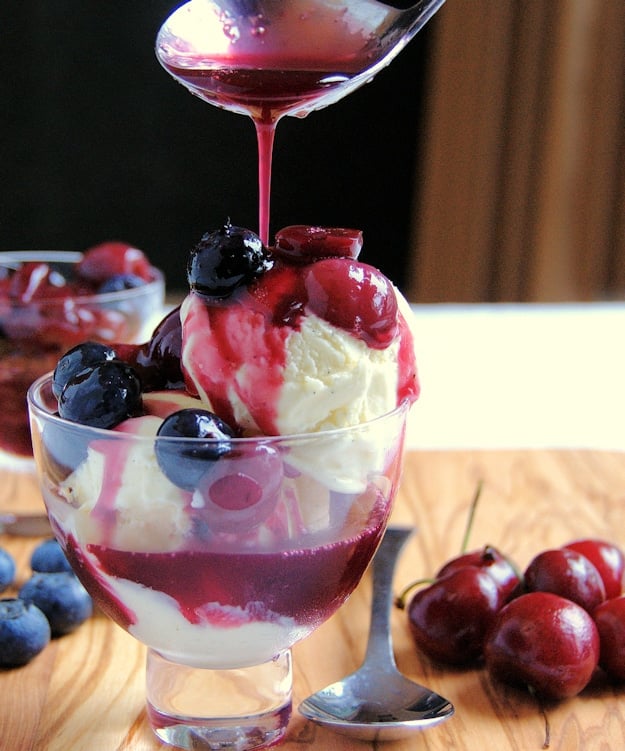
(377, 702)
(314, 52)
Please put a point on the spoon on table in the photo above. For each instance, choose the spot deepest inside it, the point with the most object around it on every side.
(377, 702)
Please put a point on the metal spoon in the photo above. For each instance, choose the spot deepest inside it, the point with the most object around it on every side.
(211, 35)
(377, 702)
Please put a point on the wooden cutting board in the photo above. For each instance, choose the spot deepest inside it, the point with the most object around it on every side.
(85, 691)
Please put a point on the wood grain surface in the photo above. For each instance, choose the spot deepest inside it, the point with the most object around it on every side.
(85, 691)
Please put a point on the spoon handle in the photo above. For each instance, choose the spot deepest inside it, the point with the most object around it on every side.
(379, 645)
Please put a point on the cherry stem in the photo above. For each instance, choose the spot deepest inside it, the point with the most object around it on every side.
(400, 600)
(472, 510)
(543, 711)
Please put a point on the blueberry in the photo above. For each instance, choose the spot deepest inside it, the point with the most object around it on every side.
(102, 396)
(7, 570)
(184, 462)
(24, 632)
(121, 282)
(48, 557)
(79, 358)
(226, 259)
(61, 598)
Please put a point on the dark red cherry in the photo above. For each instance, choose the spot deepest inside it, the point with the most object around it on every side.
(493, 562)
(157, 361)
(610, 620)
(304, 243)
(353, 296)
(37, 280)
(543, 642)
(568, 574)
(241, 490)
(108, 259)
(608, 559)
(449, 619)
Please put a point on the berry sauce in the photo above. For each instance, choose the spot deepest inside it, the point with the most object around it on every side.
(249, 331)
(289, 78)
(307, 585)
(264, 95)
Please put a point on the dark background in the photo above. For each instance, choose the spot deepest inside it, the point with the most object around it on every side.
(98, 142)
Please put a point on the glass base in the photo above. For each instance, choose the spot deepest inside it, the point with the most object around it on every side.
(203, 708)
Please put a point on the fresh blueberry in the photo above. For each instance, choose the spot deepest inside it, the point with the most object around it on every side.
(61, 598)
(121, 282)
(184, 461)
(7, 569)
(76, 360)
(102, 396)
(48, 557)
(226, 259)
(24, 632)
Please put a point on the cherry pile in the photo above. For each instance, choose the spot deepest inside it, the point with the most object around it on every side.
(49, 304)
(546, 629)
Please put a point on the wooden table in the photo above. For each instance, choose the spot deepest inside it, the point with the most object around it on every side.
(85, 691)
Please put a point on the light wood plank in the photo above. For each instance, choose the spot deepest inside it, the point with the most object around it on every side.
(85, 691)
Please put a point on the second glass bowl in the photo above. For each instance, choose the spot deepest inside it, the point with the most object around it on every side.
(43, 313)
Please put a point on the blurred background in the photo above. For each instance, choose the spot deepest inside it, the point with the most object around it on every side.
(486, 164)
(99, 142)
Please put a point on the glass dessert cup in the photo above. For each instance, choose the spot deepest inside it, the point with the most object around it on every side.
(34, 332)
(222, 572)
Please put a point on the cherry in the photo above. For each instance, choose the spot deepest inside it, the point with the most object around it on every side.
(240, 491)
(355, 297)
(37, 280)
(108, 259)
(568, 574)
(303, 243)
(608, 559)
(544, 642)
(157, 361)
(450, 618)
(610, 620)
(493, 563)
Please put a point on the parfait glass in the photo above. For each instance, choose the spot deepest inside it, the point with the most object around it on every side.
(36, 328)
(218, 559)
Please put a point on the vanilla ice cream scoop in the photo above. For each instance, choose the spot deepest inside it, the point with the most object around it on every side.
(313, 342)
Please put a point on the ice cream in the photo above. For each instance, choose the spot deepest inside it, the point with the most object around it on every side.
(257, 437)
(313, 343)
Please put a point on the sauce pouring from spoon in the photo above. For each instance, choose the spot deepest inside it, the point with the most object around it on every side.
(271, 58)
